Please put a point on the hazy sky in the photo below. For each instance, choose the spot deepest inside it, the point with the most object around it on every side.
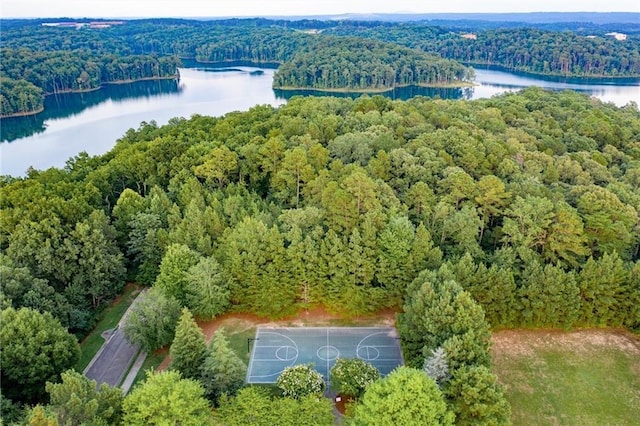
(210, 8)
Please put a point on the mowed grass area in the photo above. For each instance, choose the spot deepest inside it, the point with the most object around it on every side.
(587, 377)
(108, 320)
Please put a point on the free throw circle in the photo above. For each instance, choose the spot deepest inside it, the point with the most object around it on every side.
(287, 353)
(368, 353)
(328, 353)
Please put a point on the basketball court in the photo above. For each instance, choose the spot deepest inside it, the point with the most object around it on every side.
(275, 349)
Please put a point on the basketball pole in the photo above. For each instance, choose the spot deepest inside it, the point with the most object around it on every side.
(249, 340)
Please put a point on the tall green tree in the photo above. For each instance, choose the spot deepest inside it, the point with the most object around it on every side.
(172, 279)
(36, 349)
(151, 323)
(476, 397)
(604, 291)
(167, 399)
(78, 401)
(389, 402)
(207, 291)
(188, 349)
(439, 313)
(549, 296)
(222, 372)
(254, 259)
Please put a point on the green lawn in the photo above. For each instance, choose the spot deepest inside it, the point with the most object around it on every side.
(238, 340)
(571, 383)
(152, 361)
(108, 320)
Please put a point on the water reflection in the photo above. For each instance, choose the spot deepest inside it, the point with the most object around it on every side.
(68, 105)
(399, 93)
(93, 121)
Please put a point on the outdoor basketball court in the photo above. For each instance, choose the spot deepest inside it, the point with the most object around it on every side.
(275, 349)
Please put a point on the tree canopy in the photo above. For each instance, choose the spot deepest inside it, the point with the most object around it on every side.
(36, 349)
(405, 396)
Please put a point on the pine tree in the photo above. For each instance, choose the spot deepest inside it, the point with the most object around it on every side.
(436, 366)
(476, 397)
(188, 349)
(223, 372)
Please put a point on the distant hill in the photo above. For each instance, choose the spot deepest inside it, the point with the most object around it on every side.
(530, 18)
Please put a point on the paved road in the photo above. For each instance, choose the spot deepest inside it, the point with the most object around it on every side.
(116, 355)
(113, 360)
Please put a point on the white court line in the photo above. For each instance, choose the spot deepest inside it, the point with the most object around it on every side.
(256, 344)
(327, 377)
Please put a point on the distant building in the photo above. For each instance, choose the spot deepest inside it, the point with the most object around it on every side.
(591, 36)
(96, 25)
(469, 36)
(617, 36)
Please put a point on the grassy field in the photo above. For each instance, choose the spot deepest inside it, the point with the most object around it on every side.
(589, 377)
(108, 320)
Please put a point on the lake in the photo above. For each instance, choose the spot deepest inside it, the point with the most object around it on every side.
(93, 121)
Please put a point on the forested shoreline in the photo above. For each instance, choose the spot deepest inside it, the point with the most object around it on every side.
(60, 59)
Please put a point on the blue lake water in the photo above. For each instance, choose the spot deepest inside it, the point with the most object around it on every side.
(93, 121)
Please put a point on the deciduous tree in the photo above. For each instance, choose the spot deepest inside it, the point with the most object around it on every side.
(406, 396)
(35, 350)
(165, 398)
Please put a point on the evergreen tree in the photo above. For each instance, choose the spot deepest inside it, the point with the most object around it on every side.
(222, 372)
(437, 313)
(604, 291)
(549, 296)
(436, 366)
(188, 349)
(476, 397)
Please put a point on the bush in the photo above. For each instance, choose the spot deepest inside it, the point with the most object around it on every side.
(299, 381)
(352, 376)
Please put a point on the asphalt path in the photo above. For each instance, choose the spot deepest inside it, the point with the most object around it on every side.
(112, 362)
(115, 356)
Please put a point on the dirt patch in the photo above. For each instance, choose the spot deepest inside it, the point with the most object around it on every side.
(341, 402)
(526, 342)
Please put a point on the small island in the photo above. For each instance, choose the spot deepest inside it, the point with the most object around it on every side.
(351, 64)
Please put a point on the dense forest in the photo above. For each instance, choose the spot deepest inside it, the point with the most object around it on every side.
(56, 59)
(357, 64)
(522, 49)
(28, 74)
(515, 211)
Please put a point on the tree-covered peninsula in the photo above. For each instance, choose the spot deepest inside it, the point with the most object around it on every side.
(353, 64)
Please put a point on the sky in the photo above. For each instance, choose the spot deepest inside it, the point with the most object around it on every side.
(225, 8)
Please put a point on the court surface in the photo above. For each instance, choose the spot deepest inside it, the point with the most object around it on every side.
(275, 349)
